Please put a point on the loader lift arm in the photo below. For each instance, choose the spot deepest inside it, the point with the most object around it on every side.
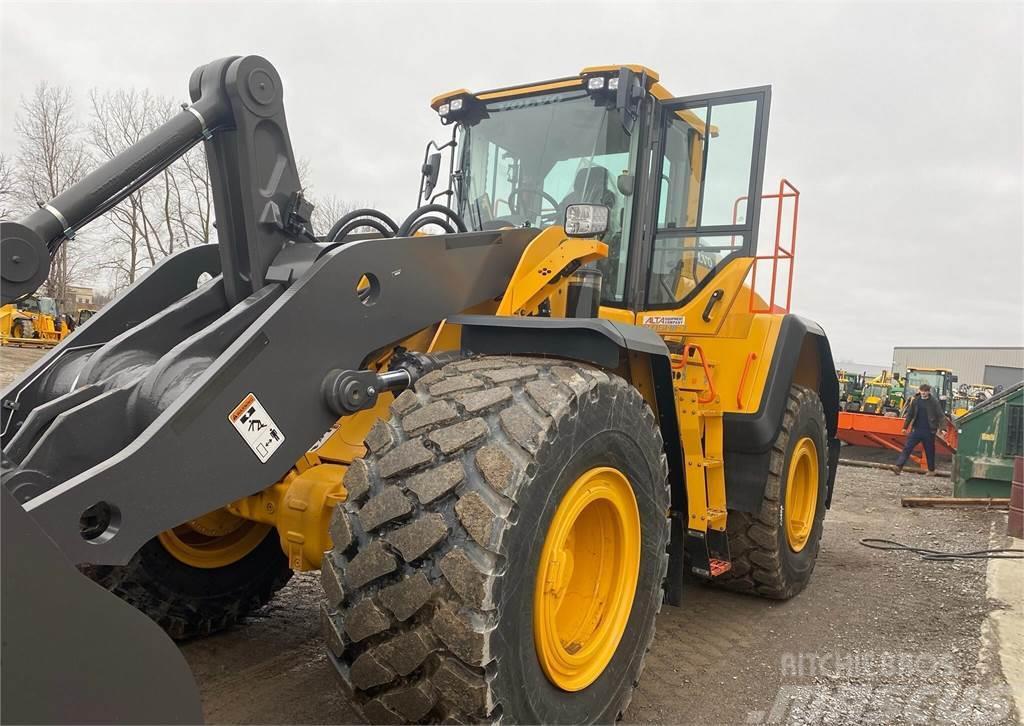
(237, 109)
(134, 406)
(122, 432)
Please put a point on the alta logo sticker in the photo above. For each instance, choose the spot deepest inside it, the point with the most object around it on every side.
(662, 323)
(256, 428)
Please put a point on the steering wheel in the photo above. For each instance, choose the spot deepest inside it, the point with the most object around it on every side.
(546, 216)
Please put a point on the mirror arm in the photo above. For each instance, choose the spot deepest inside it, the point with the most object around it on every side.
(424, 191)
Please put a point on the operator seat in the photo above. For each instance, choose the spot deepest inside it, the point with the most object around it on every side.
(590, 187)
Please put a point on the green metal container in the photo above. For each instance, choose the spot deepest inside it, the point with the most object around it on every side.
(990, 436)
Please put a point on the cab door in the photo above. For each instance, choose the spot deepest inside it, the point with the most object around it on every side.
(703, 207)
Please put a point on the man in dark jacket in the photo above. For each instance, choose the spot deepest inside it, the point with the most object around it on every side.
(923, 420)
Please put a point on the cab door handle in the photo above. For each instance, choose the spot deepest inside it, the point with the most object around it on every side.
(715, 297)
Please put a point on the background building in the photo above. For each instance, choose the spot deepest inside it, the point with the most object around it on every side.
(80, 296)
(868, 369)
(994, 366)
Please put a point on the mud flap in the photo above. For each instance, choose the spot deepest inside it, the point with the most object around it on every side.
(676, 560)
(833, 465)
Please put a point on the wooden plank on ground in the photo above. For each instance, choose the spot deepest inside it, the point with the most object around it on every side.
(982, 502)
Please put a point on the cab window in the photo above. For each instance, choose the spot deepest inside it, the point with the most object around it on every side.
(706, 173)
(524, 160)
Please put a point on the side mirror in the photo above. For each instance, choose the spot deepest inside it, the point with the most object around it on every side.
(431, 170)
(625, 183)
(586, 220)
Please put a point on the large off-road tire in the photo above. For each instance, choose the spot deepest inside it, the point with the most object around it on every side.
(189, 601)
(23, 329)
(764, 560)
(430, 587)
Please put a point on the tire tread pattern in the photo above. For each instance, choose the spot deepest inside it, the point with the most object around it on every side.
(431, 659)
(754, 537)
(143, 584)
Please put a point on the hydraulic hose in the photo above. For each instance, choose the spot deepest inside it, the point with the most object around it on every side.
(409, 225)
(362, 218)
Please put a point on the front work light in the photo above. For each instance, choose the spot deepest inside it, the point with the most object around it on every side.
(456, 104)
(443, 109)
(595, 83)
(586, 220)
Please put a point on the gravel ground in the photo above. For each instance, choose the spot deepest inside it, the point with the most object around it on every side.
(877, 637)
(14, 359)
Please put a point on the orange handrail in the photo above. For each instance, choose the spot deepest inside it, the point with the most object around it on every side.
(786, 191)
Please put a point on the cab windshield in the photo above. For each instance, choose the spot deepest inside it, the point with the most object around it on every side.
(527, 159)
(916, 378)
(48, 306)
(877, 391)
(43, 305)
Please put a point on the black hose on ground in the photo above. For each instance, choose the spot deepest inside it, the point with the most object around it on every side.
(939, 555)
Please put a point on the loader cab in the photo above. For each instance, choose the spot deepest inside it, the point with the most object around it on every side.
(940, 379)
(522, 160)
(681, 176)
(39, 305)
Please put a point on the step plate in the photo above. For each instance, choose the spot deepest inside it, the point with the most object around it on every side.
(719, 567)
(708, 552)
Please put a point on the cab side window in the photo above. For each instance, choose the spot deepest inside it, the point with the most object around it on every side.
(706, 172)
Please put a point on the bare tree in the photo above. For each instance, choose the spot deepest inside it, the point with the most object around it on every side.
(52, 158)
(8, 188)
(327, 210)
(118, 123)
(172, 211)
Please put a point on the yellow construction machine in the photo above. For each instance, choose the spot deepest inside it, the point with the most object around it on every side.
(940, 379)
(32, 321)
(503, 443)
(882, 395)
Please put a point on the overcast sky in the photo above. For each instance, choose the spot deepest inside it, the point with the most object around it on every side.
(900, 124)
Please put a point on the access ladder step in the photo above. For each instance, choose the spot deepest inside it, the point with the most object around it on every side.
(719, 567)
(717, 518)
(708, 552)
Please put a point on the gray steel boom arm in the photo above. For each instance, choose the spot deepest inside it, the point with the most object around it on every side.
(122, 431)
(237, 107)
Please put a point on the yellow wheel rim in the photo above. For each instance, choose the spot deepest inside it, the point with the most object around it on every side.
(586, 579)
(801, 493)
(214, 540)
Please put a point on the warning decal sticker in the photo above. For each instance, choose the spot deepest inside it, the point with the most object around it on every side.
(256, 427)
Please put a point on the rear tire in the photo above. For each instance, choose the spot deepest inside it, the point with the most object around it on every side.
(763, 561)
(23, 329)
(429, 591)
(190, 601)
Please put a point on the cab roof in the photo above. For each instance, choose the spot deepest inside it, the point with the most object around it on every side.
(653, 85)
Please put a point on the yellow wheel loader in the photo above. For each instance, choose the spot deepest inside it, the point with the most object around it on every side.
(503, 429)
(32, 321)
